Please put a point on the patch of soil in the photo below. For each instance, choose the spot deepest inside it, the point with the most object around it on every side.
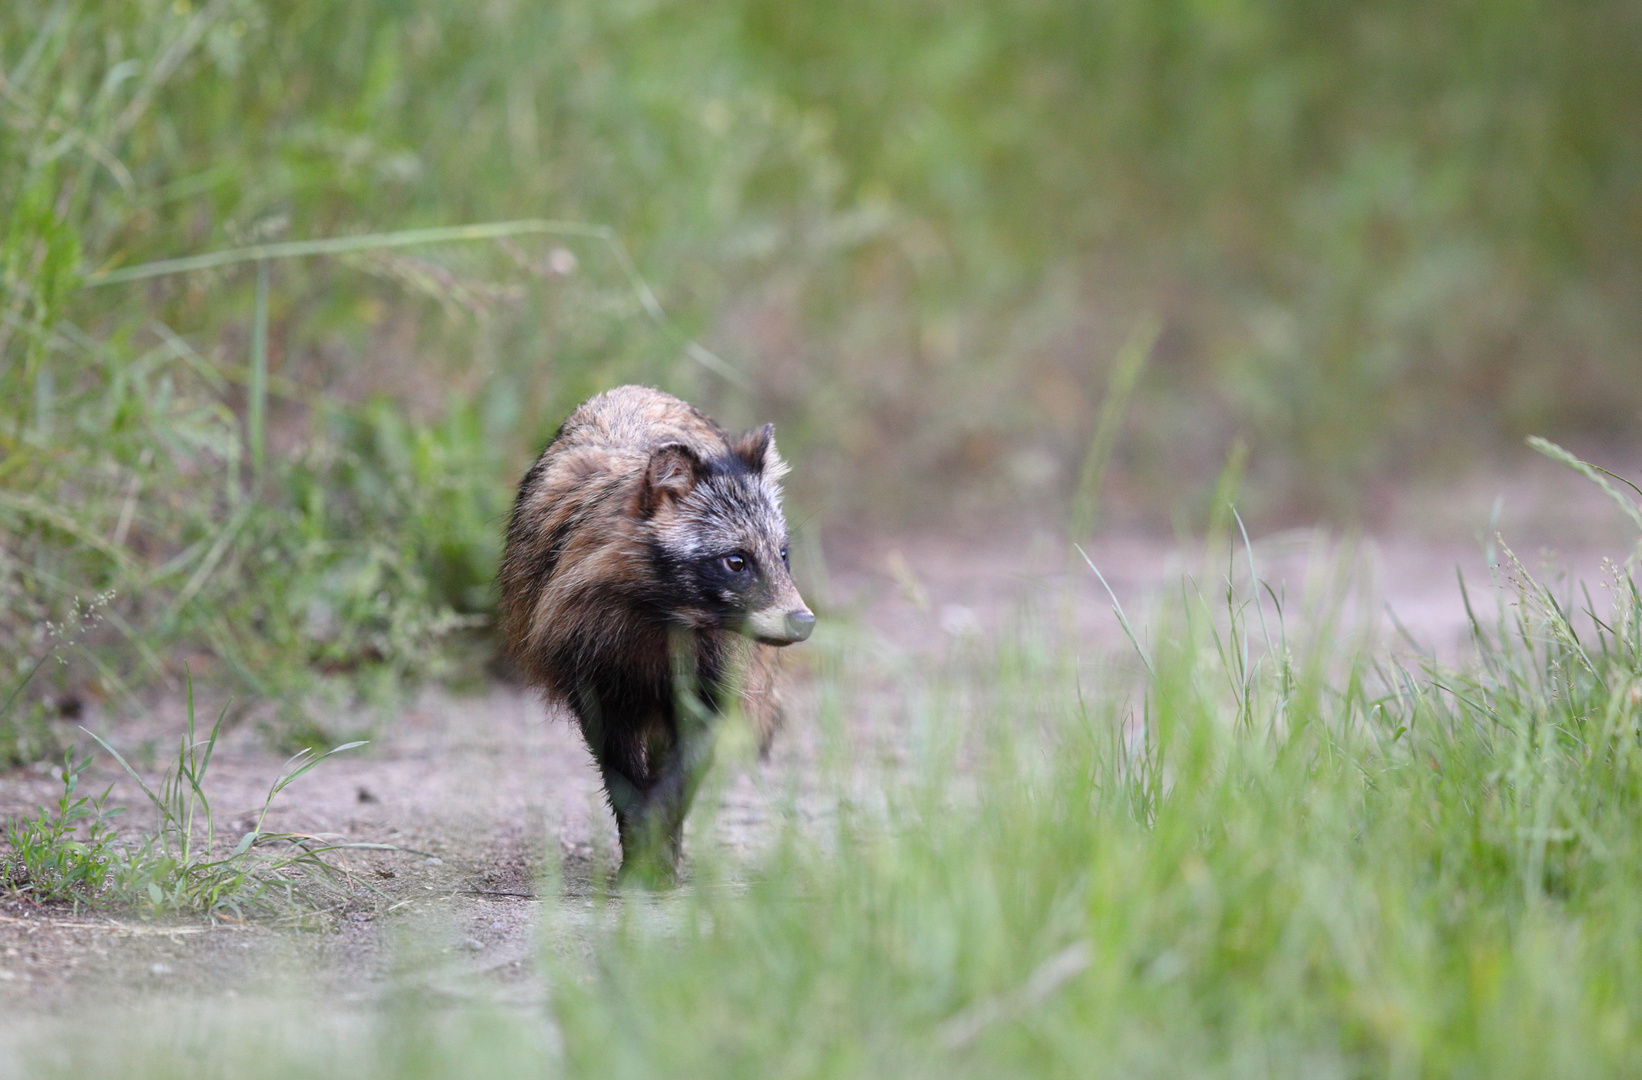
(471, 792)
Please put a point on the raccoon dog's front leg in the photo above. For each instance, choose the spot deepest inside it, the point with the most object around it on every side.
(622, 765)
(653, 844)
(651, 765)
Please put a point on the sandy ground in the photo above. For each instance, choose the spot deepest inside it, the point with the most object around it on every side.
(483, 794)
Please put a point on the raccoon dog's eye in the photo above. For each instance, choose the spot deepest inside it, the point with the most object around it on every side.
(735, 564)
(785, 561)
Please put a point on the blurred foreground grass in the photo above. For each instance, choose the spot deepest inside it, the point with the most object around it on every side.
(1289, 854)
(1375, 235)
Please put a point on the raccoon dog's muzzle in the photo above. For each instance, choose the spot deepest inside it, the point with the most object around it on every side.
(781, 627)
(787, 621)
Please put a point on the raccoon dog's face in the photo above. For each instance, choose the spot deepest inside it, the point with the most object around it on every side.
(719, 540)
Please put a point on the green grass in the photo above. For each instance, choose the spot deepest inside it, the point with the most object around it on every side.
(47, 860)
(74, 853)
(1292, 856)
(183, 866)
(1287, 853)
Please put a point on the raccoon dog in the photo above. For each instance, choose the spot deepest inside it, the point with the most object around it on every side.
(645, 580)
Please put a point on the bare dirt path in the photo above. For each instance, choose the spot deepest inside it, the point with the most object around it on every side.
(472, 791)
(483, 794)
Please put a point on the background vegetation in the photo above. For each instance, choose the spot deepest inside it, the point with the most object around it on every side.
(1376, 236)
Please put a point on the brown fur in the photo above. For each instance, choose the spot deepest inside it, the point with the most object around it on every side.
(602, 606)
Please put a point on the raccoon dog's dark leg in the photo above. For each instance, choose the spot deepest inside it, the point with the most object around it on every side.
(675, 774)
(649, 768)
(622, 767)
(682, 754)
(627, 801)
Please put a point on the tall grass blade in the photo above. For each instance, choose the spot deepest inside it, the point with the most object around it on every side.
(492, 230)
(257, 407)
(1121, 384)
(1596, 475)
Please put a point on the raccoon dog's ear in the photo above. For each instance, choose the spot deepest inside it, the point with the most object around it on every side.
(672, 472)
(757, 449)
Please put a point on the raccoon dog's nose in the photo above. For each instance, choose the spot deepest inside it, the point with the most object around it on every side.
(799, 624)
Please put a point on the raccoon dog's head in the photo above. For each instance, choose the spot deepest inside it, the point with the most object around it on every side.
(719, 540)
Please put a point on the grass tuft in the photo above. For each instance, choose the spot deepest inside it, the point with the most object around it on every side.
(51, 858)
(73, 852)
(181, 867)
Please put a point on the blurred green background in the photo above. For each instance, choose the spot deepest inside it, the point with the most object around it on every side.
(1380, 240)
